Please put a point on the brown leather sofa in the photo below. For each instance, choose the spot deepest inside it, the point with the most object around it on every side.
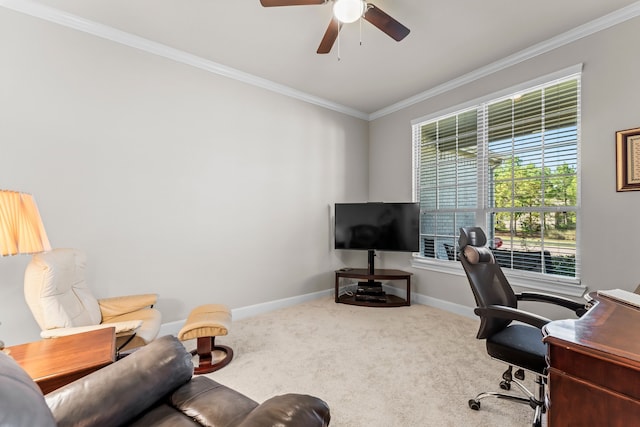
(153, 386)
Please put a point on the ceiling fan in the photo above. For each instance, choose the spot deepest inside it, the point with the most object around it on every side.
(345, 12)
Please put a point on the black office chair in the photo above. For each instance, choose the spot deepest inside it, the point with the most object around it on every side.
(519, 344)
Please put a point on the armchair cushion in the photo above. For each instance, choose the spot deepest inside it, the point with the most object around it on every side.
(122, 328)
(117, 306)
(148, 318)
(57, 294)
(56, 290)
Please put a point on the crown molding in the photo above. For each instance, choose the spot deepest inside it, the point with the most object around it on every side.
(38, 10)
(599, 24)
(47, 13)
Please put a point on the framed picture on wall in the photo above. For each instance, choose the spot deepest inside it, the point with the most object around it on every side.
(628, 160)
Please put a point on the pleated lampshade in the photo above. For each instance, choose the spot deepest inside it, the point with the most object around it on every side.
(21, 229)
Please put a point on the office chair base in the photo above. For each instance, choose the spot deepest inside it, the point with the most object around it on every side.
(535, 402)
(475, 403)
(539, 408)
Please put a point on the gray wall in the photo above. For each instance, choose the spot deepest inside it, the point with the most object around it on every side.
(173, 180)
(204, 189)
(610, 85)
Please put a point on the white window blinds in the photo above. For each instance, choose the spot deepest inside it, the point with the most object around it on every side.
(509, 165)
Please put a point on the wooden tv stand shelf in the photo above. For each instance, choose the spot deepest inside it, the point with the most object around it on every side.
(364, 274)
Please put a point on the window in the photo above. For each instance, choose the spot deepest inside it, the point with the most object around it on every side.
(510, 165)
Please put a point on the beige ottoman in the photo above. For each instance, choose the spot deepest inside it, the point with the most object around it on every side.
(205, 323)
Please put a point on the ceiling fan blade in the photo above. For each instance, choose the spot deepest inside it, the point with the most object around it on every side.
(330, 36)
(384, 22)
(270, 3)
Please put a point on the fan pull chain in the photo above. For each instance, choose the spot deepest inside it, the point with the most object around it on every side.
(360, 22)
(338, 43)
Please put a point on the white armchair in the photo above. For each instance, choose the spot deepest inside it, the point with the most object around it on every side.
(61, 302)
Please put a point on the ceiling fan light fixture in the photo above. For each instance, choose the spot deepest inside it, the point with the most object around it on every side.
(348, 11)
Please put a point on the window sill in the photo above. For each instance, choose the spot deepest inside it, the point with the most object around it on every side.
(521, 279)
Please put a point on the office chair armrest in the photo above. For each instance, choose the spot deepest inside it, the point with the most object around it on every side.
(117, 306)
(576, 307)
(503, 312)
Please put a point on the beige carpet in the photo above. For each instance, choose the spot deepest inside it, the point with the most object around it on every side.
(375, 367)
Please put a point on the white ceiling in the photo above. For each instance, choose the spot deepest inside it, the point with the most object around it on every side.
(448, 39)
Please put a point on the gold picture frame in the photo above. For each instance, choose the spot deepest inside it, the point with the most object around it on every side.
(628, 160)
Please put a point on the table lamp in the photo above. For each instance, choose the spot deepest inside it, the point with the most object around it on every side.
(21, 229)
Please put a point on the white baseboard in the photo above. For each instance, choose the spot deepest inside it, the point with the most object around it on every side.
(265, 307)
(172, 328)
(462, 310)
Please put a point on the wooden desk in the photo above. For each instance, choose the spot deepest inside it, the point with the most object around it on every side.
(594, 361)
(55, 362)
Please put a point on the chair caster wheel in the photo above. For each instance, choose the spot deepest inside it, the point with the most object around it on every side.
(505, 385)
(474, 404)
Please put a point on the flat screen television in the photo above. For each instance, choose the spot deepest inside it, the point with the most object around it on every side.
(377, 226)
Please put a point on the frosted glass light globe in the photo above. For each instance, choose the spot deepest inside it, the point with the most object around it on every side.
(347, 11)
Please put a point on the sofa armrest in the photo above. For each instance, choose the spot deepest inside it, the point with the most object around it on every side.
(116, 394)
(289, 410)
(117, 306)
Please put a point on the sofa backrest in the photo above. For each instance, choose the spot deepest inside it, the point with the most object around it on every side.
(21, 401)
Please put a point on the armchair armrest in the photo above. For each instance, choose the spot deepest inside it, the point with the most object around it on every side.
(117, 306)
(289, 410)
(122, 328)
(576, 307)
(510, 313)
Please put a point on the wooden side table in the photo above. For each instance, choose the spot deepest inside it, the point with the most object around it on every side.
(55, 362)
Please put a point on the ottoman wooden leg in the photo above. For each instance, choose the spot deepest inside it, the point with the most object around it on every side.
(205, 349)
(205, 323)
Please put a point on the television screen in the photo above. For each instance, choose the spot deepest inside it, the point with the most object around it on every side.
(379, 226)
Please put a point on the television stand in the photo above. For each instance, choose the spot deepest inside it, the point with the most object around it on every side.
(372, 298)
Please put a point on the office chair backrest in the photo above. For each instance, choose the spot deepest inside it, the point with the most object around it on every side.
(56, 290)
(488, 283)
